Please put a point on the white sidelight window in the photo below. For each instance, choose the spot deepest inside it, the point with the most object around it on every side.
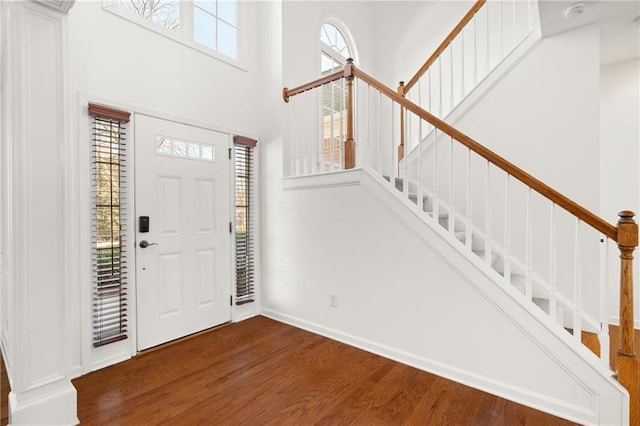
(245, 205)
(109, 225)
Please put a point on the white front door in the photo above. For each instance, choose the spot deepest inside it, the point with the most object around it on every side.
(183, 262)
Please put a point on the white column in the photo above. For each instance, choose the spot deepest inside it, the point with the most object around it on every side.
(37, 216)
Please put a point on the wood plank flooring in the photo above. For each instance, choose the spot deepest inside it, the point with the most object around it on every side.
(261, 372)
(264, 372)
(4, 394)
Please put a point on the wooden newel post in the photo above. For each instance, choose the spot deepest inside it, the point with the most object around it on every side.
(626, 362)
(349, 143)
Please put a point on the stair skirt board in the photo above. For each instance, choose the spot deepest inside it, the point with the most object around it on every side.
(603, 400)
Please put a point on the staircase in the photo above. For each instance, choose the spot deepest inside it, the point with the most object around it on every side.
(492, 256)
(499, 217)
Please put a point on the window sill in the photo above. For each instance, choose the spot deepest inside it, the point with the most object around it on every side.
(177, 37)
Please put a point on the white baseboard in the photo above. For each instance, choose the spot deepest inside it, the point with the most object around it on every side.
(486, 384)
(76, 371)
(53, 408)
(240, 318)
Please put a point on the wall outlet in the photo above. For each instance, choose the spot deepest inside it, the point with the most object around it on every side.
(333, 300)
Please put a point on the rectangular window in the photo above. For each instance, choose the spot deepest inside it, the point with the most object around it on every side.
(109, 230)
(212, 24)
(245, 219)
(162, 12)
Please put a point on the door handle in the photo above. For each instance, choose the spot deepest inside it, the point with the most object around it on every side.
(145, 244)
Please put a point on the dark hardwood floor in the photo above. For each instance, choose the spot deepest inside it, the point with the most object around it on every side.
(4, 394)
(264, 372)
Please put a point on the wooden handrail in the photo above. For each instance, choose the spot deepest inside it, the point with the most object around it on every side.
(453, 34)
(287, 93)
(543, 189)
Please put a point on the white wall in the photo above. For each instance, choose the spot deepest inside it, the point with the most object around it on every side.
(407, 33)
(545, 117)
(301, 36)
(619, 137)
(120, 63)
(620, 155)
(404, 293)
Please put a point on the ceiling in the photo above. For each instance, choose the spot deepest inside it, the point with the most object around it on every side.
(619, 22)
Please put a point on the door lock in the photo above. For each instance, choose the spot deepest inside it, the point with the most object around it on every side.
(145, 244)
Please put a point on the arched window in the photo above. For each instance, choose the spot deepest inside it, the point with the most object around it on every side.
(334, 51)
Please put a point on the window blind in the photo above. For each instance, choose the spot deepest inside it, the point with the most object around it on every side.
(109, 225)
(245, 219)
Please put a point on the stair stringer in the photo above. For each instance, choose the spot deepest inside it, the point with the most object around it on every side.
(546, 369)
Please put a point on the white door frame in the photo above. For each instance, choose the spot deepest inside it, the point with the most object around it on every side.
(90, 358)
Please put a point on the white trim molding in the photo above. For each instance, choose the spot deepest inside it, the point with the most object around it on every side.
(38, 213)
(63, 6)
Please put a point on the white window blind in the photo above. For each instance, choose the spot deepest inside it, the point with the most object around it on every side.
(245, 219)
(109, 225)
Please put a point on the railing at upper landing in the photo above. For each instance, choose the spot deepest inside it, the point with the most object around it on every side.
(478, 45)
(527, 234)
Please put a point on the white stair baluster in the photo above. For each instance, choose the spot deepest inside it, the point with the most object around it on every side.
(420, 104)
(500, 32)
(392, 139)
(286, 146)
(440, 84)
(451, 98)
(405, 164)
(368, 136)
(475, 50)
(420, 192)
(430, 96)
(435, 212)
(308, 144)
(297, 138)
(507, 233)
(487, 215)
(603, 336)
(379, 161)
(343, 95)
(514, 27)
(487, 65)
(318, 132)
(451, 218)
(528, 286)
(468, 226)
(332, 128)
(577, 285)
(462, 64)
(553, 265)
